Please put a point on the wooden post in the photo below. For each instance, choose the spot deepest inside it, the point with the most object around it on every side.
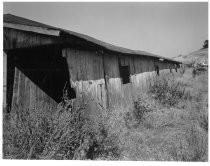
(106, 79)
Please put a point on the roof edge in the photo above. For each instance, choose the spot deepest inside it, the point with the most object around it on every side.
(41, 30)
(53, 31)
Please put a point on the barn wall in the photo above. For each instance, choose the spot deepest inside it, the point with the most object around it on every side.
(4, 79)
(114, 86)
(141, 70)
(10, 70)
(93, 72)
(87, 73)
(21, 39)
(27, 94)
(40, 73)
(98, 73)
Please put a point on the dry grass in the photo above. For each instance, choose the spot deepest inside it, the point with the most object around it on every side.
(167, 90)
(175, 133)
(152, 130)
(70, 132)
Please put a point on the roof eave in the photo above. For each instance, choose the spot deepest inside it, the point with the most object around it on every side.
(40, 30)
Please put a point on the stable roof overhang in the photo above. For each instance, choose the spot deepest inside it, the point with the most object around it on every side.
(19, 23)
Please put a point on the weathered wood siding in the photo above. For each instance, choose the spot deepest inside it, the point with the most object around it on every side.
(20, 39)
(4, 78)
(86, 73)
(94, 72)
(113, 80)
(27, 94)
(98, 73)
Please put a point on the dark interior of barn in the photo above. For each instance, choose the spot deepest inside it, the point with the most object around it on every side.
(44, 66)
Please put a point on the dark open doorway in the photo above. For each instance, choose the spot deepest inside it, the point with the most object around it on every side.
(44, 66)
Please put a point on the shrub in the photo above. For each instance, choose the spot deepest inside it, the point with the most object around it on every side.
(79, 135)
(25, 132)
(167, 90)
(141, 106)
(198, 70)
(135, 116)
(71, 132)
(167, 132)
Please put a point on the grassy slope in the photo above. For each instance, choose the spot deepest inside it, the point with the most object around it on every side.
(196, 56)
(175, 133)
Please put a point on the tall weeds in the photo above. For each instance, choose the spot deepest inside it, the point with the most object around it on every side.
(167, 90)
(170, 123)
(70, 132)
(168, 131)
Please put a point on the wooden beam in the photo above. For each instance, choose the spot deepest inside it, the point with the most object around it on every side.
(41, 30)
(14, 38)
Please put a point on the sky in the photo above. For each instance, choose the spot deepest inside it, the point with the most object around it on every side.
(166, 29)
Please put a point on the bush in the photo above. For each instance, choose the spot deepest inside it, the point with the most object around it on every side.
(167, 90)
(135, 116)
(79, 135)
(141, 106)
(150, 130)
(70, 132)
(25, 132)
(198, 71)
(165, 132)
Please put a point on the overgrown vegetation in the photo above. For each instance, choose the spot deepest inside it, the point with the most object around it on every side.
(170, 123)
(68, 133)
(198, 70)
(167, 90)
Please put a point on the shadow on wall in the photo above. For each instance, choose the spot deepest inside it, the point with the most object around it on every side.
(45, 67)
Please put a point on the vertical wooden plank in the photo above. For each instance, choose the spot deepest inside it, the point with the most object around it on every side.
(99, 94)
(15, 87)
(19, 86)
(98, 66)
(26, 93)
(78, 65)
(33, 96)
(72, 63)
(126, 60)
(22, 90)
(39, 96)
(137, 63)
(111, 66)
(30, 93)
(27, 90)
(4, 79)
(89, 65)
(101, 68)
(131, 64)
(128, 97)
(102, 95)
(121, 60)
(81, 64)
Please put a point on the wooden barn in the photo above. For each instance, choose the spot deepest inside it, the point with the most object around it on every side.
(44, 62)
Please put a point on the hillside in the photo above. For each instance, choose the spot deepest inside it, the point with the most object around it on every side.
(198, 56)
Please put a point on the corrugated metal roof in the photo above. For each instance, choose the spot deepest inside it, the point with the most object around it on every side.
(9, 18)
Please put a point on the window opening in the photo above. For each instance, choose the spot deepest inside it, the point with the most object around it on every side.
(125, 74)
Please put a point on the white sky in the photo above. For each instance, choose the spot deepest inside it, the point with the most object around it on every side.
(166, 29)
